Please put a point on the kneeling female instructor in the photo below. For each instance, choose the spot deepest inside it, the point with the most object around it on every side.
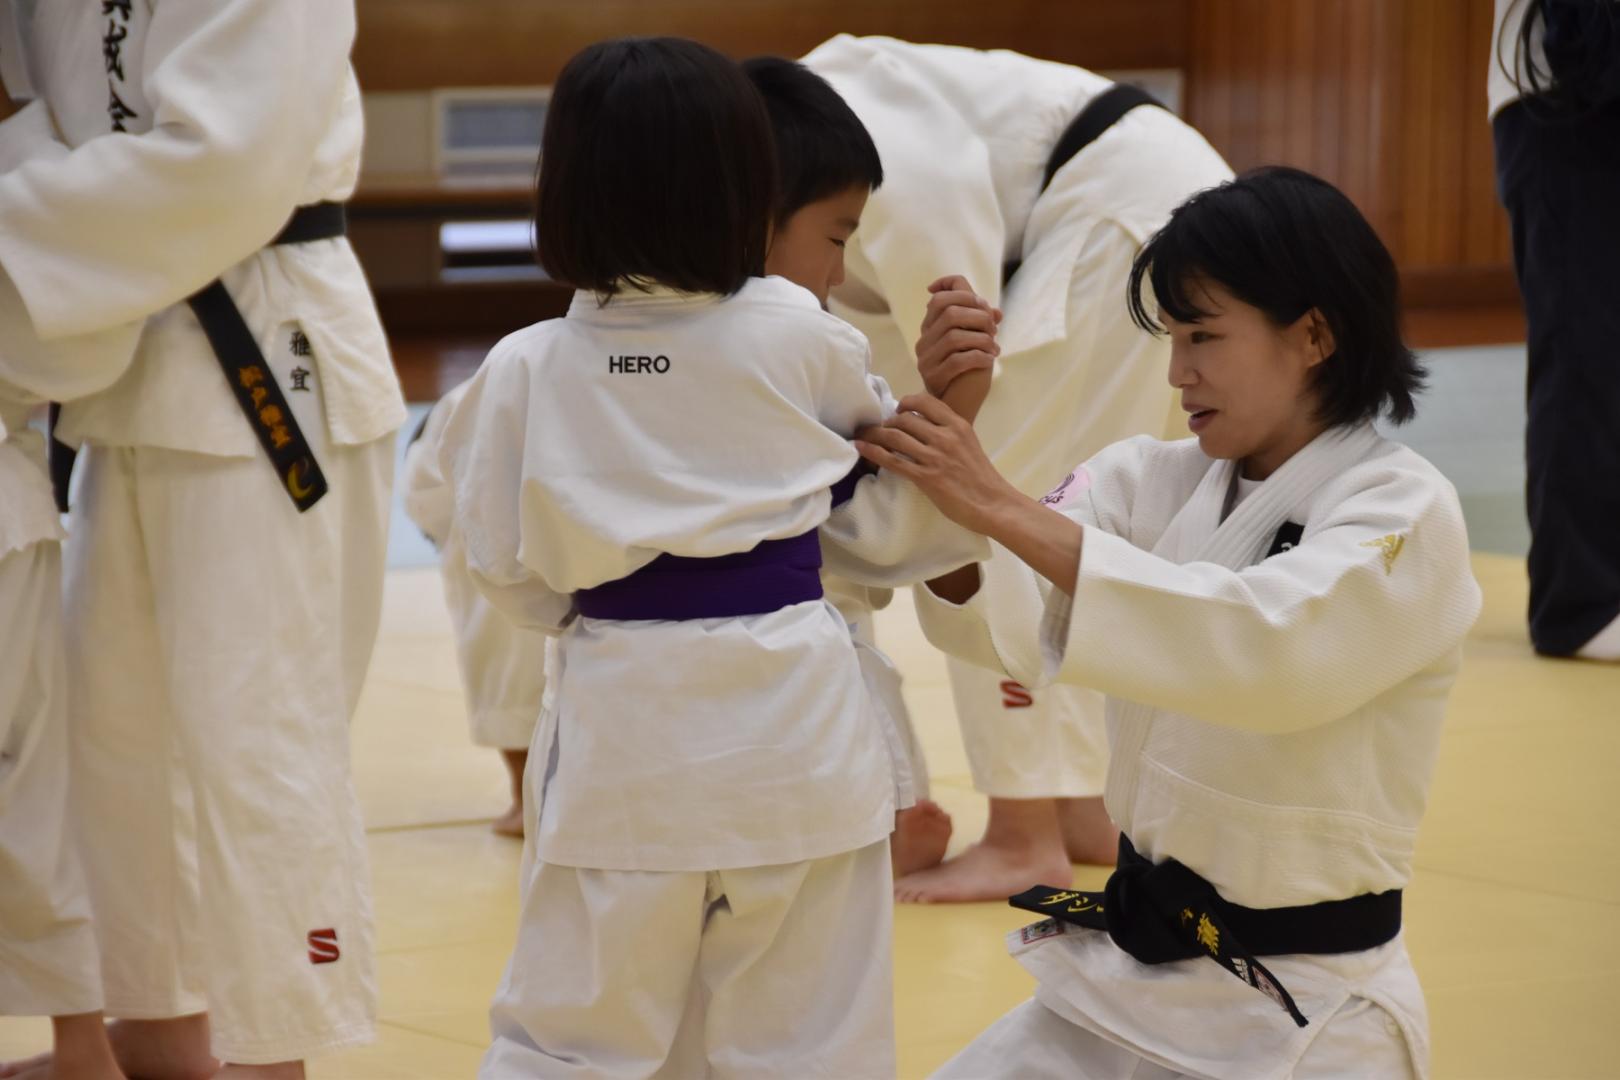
(1275, 609)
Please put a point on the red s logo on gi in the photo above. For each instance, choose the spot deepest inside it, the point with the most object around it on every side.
(323, 946)
(1015, 696)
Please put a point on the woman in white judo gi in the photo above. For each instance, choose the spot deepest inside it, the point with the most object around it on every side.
(654, 478)
(1275, 610)
(1036, 182)
(48, 960)
(218, 630)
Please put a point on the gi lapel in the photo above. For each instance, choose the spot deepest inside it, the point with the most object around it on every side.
(1243, 538)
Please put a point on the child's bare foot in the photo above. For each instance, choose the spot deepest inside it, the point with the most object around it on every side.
(1089, 835)
(511, 822)
(984, 872)
(921, 834)
(1022, 847)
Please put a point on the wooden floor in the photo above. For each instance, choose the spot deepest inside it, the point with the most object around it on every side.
(1513, 919)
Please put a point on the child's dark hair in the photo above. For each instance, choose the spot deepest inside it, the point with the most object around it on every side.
(822, 148)
(1285, 241)
(656, 166)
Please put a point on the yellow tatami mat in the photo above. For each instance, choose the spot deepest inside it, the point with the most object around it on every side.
(1514, 918)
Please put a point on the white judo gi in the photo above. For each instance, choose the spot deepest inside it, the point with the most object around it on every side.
(1274, 723)
(218, 637)
(965, 137)
(48, 960)
(706, 884)
(503, 667)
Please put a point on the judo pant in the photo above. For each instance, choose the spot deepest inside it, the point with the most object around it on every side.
(1052, 408)
(773, 971)
(219, 639)
(1034, 1043)
(1559, 180)
(503, 667)
(1050, 743)
(48, 961)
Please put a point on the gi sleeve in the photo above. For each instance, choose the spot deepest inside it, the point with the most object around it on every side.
(427, 497)
(888, 533)
(1012, 598)
(936, 212)
(32, 370)
(1377, 591)
(481, 456)
(125, 225)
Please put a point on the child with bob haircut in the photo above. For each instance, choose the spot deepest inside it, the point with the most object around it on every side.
(656, 479)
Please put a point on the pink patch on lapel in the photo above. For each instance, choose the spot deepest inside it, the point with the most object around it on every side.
(1069, 492)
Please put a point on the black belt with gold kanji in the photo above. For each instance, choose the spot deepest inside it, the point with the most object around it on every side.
(249, 376)
(1164, 912)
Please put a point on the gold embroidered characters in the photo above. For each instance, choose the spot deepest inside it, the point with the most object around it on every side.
(1391, 546)
(1208, 936)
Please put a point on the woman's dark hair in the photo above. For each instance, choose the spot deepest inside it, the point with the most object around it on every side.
(1580, 40)
(656, 166)
(822, 148)
(1286, 242)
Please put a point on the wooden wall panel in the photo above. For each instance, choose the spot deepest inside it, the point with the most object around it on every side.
(1297, 82)
(1386, 98)
(419, 44)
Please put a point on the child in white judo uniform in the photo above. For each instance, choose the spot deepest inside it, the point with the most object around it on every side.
(1036, 182)
(48, 959)
(224, 571)
(1276, 610)
(827, 169)
(653, 477)
(502, 666)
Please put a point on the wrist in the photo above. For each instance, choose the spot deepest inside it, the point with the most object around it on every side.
(1006, 513)
(967, 393)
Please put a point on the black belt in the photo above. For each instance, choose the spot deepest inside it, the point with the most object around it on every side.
(250, 378)
(1098, 116)
(1163, 912)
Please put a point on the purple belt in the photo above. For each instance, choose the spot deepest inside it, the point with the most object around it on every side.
(773, 575)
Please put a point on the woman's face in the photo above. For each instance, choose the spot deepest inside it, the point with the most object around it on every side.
(1244, 381)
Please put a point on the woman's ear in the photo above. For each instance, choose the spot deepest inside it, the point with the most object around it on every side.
(1318, 337)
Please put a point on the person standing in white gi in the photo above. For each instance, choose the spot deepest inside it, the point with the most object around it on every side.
(502, 666)
(1276, 611)
(657, 479)
(219, 635)
(966, 139)
(49, 964)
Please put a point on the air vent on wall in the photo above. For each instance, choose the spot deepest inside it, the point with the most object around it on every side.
(488, 133)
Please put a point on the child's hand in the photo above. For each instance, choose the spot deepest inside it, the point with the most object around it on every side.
(957, 348)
